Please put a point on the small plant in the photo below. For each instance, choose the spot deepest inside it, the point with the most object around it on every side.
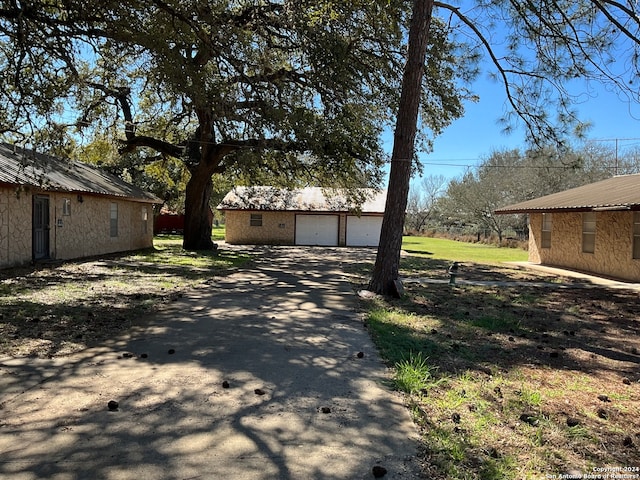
(579, 432)
(531, 398)
(414, 374)
(573, 310)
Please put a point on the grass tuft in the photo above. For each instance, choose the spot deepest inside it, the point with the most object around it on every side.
(415, 375)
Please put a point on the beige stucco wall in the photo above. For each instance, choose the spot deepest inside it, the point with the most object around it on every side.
(85, 232)
(613, 251)
(278, 228)
(15, 227)
(4, 227)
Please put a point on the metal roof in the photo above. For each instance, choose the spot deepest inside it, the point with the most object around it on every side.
(312, 199)
(616, 193)
(20, 166)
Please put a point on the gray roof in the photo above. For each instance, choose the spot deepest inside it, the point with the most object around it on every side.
(309, 199)
(19, 166)
(616, 193)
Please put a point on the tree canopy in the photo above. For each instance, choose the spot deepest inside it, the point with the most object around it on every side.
(537, 50)
(287, 90)
(549, 55)
(294, 90)
(510, 176)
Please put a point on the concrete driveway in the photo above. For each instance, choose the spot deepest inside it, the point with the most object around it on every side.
(282, 335)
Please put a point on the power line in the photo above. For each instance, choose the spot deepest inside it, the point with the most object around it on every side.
(611, 139)
(559, 167)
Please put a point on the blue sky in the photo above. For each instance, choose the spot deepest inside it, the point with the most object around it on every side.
(474, 136)
(471, 138)
(478, 133)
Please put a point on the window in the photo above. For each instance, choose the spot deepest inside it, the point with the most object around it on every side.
(546, 230)
(66, 207)
(256, 220)
(636, 234)
(113, 228)
(589, 232)
(145, 217)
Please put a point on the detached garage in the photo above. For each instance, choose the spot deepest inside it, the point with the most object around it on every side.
(363, 231)
(306, 216)
(317, 230)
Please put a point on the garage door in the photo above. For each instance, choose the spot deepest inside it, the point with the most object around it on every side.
(317, 230)
(363, 231)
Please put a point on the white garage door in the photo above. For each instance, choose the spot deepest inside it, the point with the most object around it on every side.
(363, 231)
(317, 230)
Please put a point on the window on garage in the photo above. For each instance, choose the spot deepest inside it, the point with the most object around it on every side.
(113, 217)
(66, 207)
(546, 230)
(145, 218)
(256, 220)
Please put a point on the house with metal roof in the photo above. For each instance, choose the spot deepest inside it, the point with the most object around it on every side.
(306, 216)
(594, 228)
(55, 209)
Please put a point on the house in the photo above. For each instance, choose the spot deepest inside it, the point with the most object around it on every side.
(306, 216)
(594, 228)
(57, 209)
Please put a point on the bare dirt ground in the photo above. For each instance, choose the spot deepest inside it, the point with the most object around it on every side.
(527, 380)
(57, 309)
(265, 373)
(536, 380)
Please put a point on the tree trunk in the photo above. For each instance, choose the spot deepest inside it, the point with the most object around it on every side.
(385, 271)
(197, 219)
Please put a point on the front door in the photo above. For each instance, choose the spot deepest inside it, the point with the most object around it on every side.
(40, 227)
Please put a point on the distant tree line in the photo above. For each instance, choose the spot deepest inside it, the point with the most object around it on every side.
(465, 205)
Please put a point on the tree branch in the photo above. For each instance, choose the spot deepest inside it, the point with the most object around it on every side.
(494, 59)
(265, 144)
(130, 144)
(631, 15)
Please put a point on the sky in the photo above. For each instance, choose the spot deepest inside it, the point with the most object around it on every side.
(473, 137)
(477, 134)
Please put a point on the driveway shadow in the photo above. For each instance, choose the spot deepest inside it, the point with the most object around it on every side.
(256, 375)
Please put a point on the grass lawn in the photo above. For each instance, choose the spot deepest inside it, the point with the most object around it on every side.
(444, 249)
(511, 382)
(44, 309)
(218, 233)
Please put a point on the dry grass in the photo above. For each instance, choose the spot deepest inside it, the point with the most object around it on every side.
(57, 309)
(523, 382)
(507, 382)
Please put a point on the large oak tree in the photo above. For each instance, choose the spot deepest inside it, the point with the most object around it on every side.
(296, 89)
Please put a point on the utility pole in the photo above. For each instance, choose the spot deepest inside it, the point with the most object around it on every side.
(615, 172)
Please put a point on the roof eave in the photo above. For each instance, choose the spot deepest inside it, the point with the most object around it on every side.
(58, 189)
(594, 208)
(294, 210)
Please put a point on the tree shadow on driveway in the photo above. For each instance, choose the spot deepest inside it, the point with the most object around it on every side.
(300, 403)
